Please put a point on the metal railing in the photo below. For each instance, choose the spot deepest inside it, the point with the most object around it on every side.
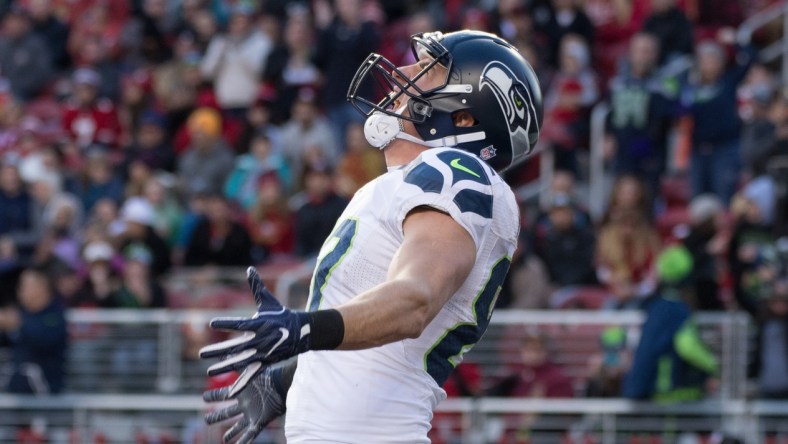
(98, 418)
(135, 370)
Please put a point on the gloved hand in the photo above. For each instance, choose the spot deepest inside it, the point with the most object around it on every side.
(260, 395)
(273, 334)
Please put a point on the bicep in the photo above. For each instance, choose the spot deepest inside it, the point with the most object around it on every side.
(436, 252)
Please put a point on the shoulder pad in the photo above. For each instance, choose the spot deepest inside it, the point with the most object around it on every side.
(456, 174)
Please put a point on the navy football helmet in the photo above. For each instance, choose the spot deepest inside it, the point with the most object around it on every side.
(485, 76)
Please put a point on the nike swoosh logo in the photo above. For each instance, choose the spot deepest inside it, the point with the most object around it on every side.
(456, 164)
(285, 335)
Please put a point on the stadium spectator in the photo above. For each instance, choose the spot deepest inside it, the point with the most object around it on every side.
(671, 362)
(167, 211)
(750, 242)
(615, 22)
(205, 165)
(395, 43)
(138, 288)
(566, 17)
(100, 267)
(150, 145)
(87, 118)
(316, 217)
(527, 285)
(11, 266)
(25, 60)
(17, 207)
(307, 129)
(138, 216)
(758, 106)
(145, 37)
(242, 183)
(627, 246)
(52, 30)
(607, 369)
(566, 244)
(235, 61)
(94, 56)
(101, 20)
(37, 331)
(175, 83)
(642, 110)
(536, 375)
(344, 40)
(629, 194)
(567, 102)
(52, 207)
(672, 28)
(518, 21)
(709, 99)
(360, 164)
(98, 180)
(217, 239)
(271, 221)
(772, 324)
(289, 66)
(706, 243)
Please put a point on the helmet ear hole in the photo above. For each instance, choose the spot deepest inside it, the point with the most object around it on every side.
(463, 119)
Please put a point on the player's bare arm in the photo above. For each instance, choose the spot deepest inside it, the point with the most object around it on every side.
(434, 260)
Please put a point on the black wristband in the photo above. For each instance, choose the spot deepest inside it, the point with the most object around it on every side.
(327, 329)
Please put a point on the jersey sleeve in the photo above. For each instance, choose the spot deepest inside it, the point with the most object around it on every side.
(450, 181)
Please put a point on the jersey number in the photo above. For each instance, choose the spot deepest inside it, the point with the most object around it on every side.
(331, 254)
(440, 360)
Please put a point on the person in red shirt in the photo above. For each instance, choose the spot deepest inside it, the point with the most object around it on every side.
(87, 118)
(534, 376)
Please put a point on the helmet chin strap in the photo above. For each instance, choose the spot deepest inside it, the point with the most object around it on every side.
(380, 129)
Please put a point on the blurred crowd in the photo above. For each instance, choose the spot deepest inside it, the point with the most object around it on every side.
(139, 138)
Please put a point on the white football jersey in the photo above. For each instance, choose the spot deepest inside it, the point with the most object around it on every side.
(387, 394)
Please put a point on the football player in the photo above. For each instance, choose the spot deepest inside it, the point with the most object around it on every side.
(406, 283)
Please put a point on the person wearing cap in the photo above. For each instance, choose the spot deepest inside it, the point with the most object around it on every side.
(87, 118)
(100, 281)
(208, 161)
(671, 363)
(705, 242)
(25, 60)
(235, 60)
(566, 246)
(138, 216)
(151, 146)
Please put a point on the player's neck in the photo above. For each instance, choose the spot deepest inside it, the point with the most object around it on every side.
(402, 152)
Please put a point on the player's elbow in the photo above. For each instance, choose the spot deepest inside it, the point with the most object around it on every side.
(418, 313)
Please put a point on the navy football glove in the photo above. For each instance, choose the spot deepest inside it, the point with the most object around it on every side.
(259, 394)
(273, 334)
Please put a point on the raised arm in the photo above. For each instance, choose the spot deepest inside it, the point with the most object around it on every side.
(433, 261)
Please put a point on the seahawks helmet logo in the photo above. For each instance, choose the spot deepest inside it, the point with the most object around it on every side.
(515, 102)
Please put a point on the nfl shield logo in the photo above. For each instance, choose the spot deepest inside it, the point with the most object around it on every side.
(487, 153)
